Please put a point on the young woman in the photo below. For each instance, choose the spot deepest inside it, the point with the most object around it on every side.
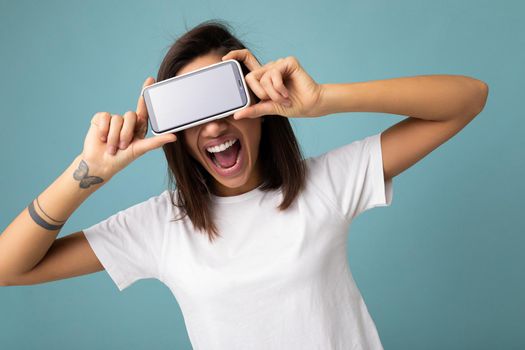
(252, 240)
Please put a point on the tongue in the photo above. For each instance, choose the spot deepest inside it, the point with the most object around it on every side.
(228, 157)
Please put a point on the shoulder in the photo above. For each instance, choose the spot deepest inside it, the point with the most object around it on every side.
(340, 159)
(160, 206)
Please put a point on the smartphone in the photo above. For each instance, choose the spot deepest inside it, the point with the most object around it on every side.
(196, 97)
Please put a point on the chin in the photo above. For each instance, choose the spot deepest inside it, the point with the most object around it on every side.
(233, 183)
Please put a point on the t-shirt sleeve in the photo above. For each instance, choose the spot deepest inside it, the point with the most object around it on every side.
(129, 244)
(352, 178)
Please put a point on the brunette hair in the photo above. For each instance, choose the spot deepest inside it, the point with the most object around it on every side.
(280, 155)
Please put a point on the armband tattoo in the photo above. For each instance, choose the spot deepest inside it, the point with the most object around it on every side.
(40, 221)
(42, 210)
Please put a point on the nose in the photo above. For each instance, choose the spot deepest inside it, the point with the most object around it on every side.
(214, 128)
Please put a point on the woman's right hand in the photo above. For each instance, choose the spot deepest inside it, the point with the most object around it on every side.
(113, 141)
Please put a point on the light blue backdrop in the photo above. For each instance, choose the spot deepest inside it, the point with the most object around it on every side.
(442, 268)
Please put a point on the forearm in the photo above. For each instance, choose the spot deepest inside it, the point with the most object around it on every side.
(430, 97)
(24, 242)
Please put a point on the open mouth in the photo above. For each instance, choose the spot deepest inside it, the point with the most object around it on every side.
(226, 158)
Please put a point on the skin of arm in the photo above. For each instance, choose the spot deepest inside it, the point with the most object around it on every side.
(428, 97)
(437, 106)
(32, 242)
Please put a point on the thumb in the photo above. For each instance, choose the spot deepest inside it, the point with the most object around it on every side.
(256, 110)
(142, 146)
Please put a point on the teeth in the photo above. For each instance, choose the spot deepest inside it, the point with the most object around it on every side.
(222, 147)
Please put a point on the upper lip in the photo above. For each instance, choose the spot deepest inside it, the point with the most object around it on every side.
(219, 140)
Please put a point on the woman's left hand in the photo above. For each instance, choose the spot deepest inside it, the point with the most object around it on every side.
(276, 84)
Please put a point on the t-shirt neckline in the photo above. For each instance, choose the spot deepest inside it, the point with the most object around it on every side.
(238, 198)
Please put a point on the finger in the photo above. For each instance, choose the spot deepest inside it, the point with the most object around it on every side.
(245, 56)
(278, 84)
(139, 147)
(256, 110)
(128, 129)
(256, 86)
(287, 66)
(266, 82)
(114, 133)
(142, 110)
(101, 121)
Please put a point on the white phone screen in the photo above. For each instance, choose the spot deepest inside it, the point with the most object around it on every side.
(196, 96)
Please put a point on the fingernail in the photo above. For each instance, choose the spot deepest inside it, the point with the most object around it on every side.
(287, 103)
(112, 149)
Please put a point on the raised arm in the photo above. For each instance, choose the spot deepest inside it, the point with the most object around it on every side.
(438, 107)
(26, 241)
(29, 250)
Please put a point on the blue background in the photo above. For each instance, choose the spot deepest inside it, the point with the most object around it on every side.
(441, 268)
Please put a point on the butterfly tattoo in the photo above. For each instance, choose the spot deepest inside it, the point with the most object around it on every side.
(81, 174)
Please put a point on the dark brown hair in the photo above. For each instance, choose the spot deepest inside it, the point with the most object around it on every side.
(280, 156)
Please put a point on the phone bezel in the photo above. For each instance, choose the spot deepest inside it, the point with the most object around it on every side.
(152, 119)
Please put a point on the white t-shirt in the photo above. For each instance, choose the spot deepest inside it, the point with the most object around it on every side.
(275, 280)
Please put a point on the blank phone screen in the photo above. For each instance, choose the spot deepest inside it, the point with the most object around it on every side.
(196, 96)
